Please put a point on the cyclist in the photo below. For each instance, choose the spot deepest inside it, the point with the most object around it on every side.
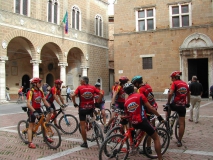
(135, 106)
(86, 93)
(118, 99)
(146, 90)
(113, 87)
(34, 97)
(180, 100)
(101, 104)
(55, 94)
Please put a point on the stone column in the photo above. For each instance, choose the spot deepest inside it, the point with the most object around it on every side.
(2, 79)
(35, 67)
(84, 70)
(63, 72)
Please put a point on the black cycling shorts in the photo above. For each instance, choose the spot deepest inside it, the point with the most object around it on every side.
(32, 117)
(145, 126)
(52, 105)
(181, 110)
(84, 112)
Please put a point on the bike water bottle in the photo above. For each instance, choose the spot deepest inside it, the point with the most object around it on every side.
(52, 117)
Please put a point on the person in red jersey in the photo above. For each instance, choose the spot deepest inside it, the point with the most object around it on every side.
(179, 101)
(118, 99)
(113, 88)
(86, 94)
(136, 106)
(102, 103)
(34, 97)
(146, 90)
(55, 94)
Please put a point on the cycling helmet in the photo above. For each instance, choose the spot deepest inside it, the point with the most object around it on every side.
(176, 74)
(35, 80)
(128, 88)
(58, 81)
(123, 79)
(97, 84)
(137, 79)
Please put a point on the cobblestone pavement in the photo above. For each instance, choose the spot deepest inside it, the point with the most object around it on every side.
(197, 140)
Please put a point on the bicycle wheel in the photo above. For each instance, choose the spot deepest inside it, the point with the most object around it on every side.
(51, 135)
(98, 133)
(68, 124)
(114, 148)
(177, 127)
(22, 130)
(115, 130)
(164, 141)
(108, 116)
(89, 131)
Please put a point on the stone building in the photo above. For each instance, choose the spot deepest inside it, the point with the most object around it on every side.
(34, 42)
(152, 38)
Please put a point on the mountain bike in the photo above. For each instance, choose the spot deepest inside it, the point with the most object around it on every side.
(119, 146)
(116, 123)
(68, 123)
(94, 131)
(99, 116)
(48, 131)
(171, 121)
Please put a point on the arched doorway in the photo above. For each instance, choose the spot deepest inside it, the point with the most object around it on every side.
(26, 83)
(49, 80)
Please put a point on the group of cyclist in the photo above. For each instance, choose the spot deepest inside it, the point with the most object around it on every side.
(138, 105)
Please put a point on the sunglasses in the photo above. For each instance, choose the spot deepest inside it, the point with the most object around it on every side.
(39, 82)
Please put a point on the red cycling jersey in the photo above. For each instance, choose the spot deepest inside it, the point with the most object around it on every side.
(134, 107)
(181, 90)
(96, 96)
(147, 91)
(53, 91)
(86, 95)
(121, 94)
(35, 96)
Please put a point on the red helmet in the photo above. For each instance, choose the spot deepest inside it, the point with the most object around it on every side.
(58, 81)
(123, 79)
(176, 74)
(35, 80)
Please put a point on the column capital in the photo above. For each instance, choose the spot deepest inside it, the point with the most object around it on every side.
(34, 61)
(62, 64)
(3, 58)
(84, 67)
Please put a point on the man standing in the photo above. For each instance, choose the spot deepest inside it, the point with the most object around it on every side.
(68, 94)
(196, 90)
(85, 93)
(181, 100)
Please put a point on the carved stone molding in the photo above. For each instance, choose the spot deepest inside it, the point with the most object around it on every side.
(63, 64)
(35, 62)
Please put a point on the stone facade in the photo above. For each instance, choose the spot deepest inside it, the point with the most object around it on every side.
(34, 47)
(170, 48)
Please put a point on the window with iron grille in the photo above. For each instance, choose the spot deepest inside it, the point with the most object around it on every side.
(22, 7)
(180, 15)
(53, 11)
(147, 62)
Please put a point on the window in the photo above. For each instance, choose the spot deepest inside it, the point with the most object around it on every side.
(22, 7)
(76, 18)
(145, 19)
(180, 15)
(147, 62)
(98, 25)
(53, 11)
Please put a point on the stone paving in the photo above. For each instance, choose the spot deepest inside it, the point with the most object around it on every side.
(197, 140)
